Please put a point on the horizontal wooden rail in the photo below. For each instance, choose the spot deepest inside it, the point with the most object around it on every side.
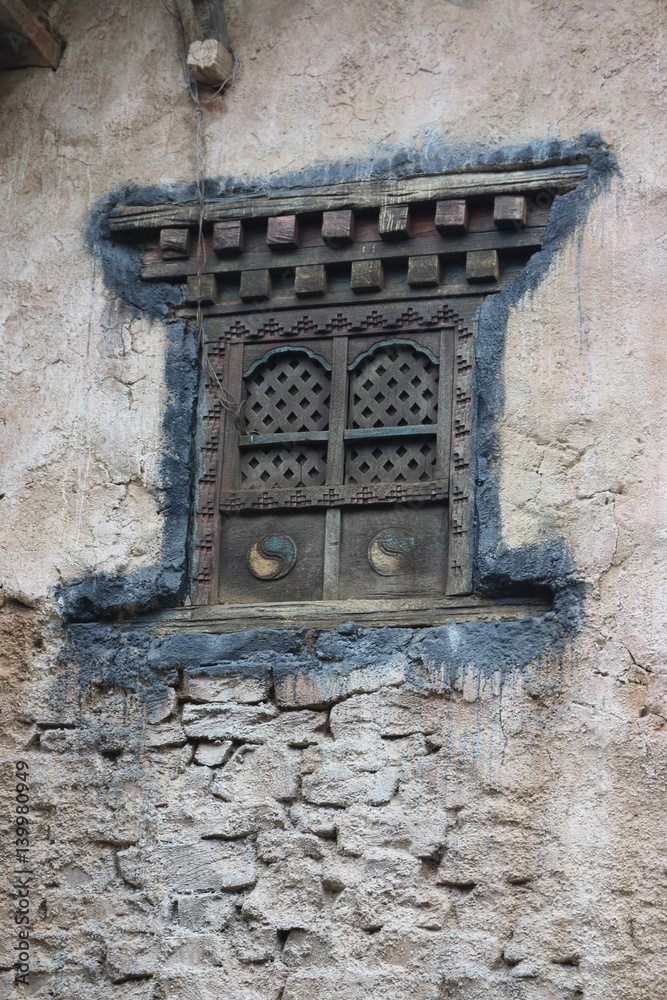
(279, 261)
(360, 195)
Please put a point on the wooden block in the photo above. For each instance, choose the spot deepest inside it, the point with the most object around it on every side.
(395, 222)
(228, 236)
(210, 20)
(482, 265)
(210, 63)
(451, 217)
(424, 272)
(338, 227)
(367, 276)
(203, 289)
(255, 285)
(175, 243)
(510, 211)
(283, 232)
(24, 40)
(310, 279)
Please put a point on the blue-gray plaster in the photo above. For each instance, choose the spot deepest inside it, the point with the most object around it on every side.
(135, 660)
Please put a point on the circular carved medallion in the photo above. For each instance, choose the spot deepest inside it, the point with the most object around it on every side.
(272, 556)
(389, 551)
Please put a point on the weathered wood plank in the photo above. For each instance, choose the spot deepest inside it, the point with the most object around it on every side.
(331, 496)
(211, 21)
(364, 194)
(443, 246)
(327, 614)
(282, 302)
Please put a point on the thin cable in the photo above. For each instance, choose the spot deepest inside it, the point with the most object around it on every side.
(224, 397)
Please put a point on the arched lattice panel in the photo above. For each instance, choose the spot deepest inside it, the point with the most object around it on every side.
(287, 393)
(395, 385)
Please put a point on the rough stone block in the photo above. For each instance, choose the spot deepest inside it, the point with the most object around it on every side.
(160, 703)
(255, 944)
(286, 896)
(252, 724)
(170, 734)
(277, 845)
(132, 957)
(204, 912)
(323, 685)
(320, 821)
(259, 771)
(59, 740)
(219, 722)
(244, 690)
(232, 820)
(202, 866)
(233, 982)
(214, 754)
(393, 712)
(342, 785)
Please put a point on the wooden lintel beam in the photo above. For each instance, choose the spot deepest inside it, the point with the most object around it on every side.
(25, 41)
(134, 219)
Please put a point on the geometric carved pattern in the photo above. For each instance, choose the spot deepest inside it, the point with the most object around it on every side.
(411, 460)
(395, 387)
(289, 392)
(283, 466)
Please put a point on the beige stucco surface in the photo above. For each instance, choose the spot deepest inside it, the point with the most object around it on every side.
(558, 820)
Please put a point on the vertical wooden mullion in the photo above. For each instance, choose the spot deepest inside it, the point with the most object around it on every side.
(335, 466)
(228, 462)
(445, 383)
(461, 482)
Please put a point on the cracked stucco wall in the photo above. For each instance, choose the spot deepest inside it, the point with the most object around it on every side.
(346, 814)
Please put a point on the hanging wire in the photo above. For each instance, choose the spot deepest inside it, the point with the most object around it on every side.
(224, 397)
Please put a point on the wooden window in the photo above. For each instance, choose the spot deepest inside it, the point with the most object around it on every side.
(339, 459)
(335, 425)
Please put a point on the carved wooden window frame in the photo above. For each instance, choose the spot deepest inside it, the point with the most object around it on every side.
(322, 269)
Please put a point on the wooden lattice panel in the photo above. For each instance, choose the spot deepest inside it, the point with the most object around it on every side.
(399, 461)
(283, 466)
(395, 387)
(287, 393)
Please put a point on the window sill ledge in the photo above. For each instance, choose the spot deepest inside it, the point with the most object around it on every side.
(399, 613)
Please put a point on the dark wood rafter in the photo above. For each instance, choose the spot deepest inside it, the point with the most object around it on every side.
(209, 57)
(25, 40)
(525, 239)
